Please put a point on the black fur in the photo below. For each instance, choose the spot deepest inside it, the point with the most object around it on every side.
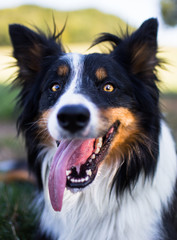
(41, 236)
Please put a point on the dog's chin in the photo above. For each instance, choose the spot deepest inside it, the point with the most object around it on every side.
(80, 176)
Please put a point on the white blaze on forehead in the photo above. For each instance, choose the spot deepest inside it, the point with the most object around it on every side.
(71, 94)
(75, 61)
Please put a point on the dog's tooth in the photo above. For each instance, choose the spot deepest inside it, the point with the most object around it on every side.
(93, 156)
(73, 180)
(99, 145)
(86, 178)
(99, 142)
(68, 172)
(97, 150)
(89, 172)
(80, 180)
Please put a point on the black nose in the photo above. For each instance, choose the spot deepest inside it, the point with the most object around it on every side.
(73, 117)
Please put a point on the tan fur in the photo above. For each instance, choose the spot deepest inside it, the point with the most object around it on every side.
(43, 133)
(127, 133)
(101, 73)
(63, 70)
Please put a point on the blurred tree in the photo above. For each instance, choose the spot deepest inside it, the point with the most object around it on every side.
(169, 11)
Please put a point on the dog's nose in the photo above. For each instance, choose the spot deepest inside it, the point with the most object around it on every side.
(73, 117)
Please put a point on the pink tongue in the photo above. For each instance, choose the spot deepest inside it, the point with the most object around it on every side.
(69, 153)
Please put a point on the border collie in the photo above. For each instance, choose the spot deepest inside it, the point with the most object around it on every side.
(103, 156)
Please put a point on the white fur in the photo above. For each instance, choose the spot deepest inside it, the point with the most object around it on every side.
(72, 96)
(92, 215)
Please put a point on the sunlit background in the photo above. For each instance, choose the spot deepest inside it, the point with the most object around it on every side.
(132, 12)
(85, 19)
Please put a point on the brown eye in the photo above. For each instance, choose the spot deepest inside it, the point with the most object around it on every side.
(108, 88)
(56, 87)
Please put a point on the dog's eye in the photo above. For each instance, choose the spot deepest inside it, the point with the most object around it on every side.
(55, 87)
(108, 88)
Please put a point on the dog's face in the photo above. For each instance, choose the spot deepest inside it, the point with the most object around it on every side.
(85, 102)
(90, 115)
(93, 107)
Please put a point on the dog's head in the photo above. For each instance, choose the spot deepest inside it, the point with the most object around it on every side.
(95, 109)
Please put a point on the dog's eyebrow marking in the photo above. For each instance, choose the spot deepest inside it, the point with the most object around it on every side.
(63, 70)
(101, 73)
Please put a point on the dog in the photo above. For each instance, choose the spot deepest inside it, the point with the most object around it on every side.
(104, 157)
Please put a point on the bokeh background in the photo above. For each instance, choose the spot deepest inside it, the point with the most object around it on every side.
(85, 19)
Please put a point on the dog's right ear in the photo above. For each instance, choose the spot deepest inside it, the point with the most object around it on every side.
(30, 49)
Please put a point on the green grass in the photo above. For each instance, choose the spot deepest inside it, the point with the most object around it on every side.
(17, 218)
(7, 103)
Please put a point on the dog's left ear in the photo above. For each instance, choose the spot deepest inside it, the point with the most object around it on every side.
(137, 52)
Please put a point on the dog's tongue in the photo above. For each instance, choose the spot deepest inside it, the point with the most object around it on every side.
(69, 153)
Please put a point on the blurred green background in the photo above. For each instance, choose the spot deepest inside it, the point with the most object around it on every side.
(82, 25)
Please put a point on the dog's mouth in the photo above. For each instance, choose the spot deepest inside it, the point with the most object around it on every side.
(76, 163)
(83, 175)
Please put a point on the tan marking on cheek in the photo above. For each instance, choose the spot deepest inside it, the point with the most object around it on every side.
(127, 133)
(43, 132)
(123, 115)
(63, 70)
(101, 73)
